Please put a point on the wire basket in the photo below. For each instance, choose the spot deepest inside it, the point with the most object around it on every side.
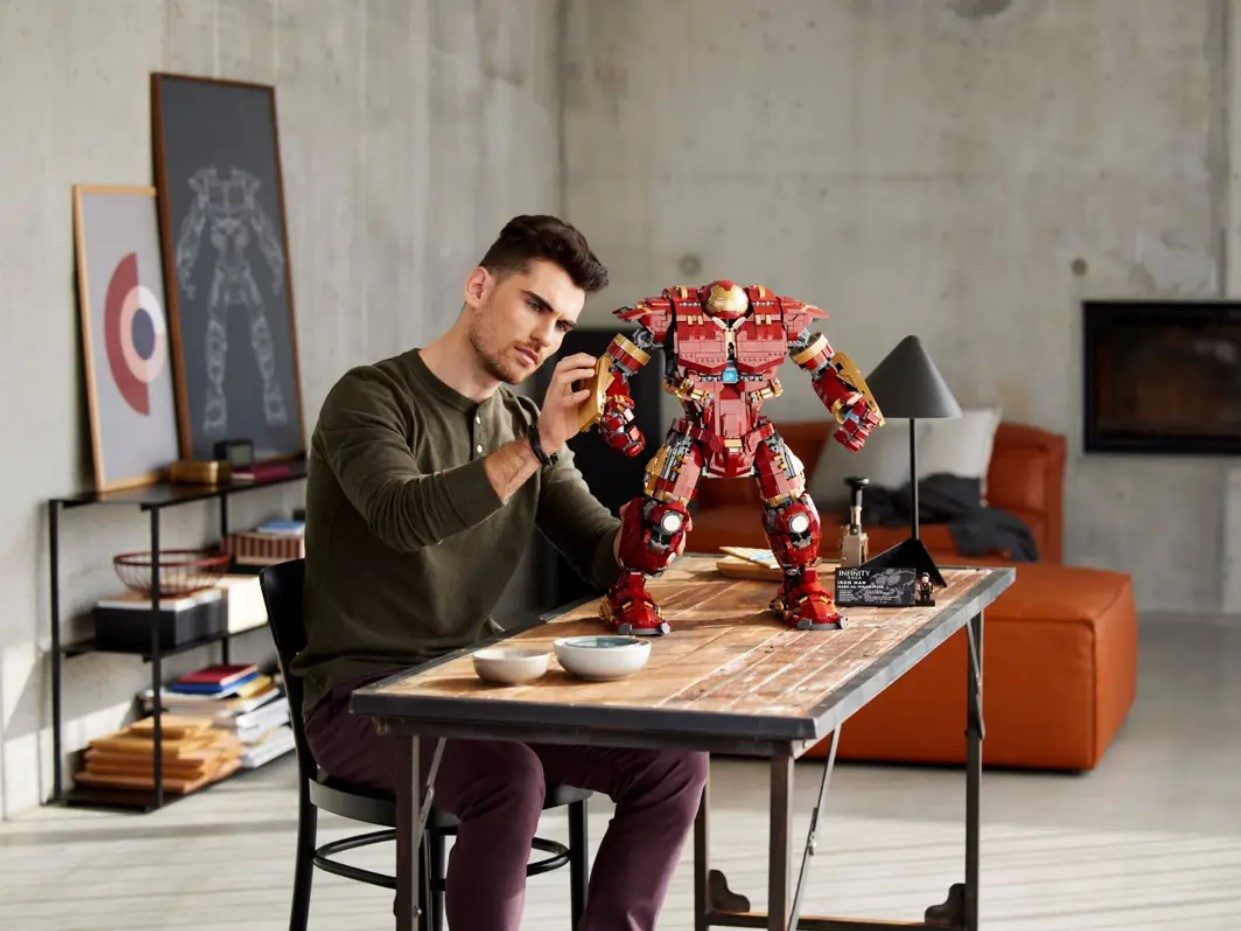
(180, 571)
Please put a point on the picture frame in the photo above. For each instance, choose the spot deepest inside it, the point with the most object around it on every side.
(124, 329)
(226, 261)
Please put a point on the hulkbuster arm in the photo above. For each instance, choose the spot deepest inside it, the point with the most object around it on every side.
(840, 386)
(623, 359)
(270, 246)
(191, 233)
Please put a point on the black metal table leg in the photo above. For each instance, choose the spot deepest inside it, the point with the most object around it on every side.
(157, 703)
(408, 817)
(973, 766)
(780, 836)
(53, 540)
(702, 862)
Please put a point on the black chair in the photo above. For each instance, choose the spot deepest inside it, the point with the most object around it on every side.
(282, 591)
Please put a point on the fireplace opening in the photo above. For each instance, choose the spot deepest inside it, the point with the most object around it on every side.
(1162, 377)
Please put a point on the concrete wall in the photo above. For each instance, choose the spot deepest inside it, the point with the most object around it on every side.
(967, 170)
(409, 133)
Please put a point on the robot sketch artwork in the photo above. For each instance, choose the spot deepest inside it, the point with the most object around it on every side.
(724, 344)
(226, 209)
(226, 263)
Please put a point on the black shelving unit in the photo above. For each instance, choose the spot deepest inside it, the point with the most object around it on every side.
(153, 499)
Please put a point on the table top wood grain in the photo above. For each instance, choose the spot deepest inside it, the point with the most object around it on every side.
(730, 676)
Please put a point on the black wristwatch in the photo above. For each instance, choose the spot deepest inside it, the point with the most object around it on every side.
(535, 444)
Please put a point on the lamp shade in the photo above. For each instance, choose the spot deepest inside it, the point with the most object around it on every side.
(907, 384)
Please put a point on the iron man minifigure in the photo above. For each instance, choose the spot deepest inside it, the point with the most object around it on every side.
(724, 344)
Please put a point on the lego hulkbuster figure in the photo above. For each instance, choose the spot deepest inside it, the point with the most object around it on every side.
(724, 344)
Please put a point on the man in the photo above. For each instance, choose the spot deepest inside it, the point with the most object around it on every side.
(427, 475)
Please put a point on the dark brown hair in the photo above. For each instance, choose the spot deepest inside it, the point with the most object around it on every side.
(545, 237)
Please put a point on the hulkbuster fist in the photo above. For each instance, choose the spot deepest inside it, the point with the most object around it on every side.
(617, 428)
(856, 420)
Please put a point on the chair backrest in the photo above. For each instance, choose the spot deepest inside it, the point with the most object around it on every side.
(282, 586)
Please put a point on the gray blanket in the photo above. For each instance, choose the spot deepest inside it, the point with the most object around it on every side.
(977, 530)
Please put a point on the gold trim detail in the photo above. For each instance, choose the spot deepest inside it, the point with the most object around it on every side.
(592, 408)
(817, 345)
(654, 471)
(852, 375)
(627, 345)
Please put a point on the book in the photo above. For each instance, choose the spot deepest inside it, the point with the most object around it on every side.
(251, 695)
(277, 743)
(207, 688)
(282, 525)
(269, 715)
(219, 675)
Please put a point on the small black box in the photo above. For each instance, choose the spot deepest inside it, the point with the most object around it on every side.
(124, 621)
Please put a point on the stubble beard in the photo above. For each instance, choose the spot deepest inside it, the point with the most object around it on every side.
(493, 364)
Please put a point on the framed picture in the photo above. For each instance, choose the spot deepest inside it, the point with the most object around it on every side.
(226, 261)
(129, 382)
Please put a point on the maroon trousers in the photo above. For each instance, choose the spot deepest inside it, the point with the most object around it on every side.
(496, 790)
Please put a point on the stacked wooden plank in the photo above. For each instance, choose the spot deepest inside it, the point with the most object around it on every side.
(194, 754)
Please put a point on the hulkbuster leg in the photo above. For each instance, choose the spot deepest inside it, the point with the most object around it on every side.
(653, 530)
(215, 413)
(792, 525)
(260, 338)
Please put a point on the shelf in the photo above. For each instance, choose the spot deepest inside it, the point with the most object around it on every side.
(80, 647)
(164, 494)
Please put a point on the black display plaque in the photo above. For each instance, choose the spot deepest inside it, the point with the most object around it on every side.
(861, 586)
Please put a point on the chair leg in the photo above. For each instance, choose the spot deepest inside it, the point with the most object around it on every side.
(579, 861)
(304, 865)
(435, 843)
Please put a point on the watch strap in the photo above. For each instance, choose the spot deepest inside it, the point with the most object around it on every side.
(536, 445)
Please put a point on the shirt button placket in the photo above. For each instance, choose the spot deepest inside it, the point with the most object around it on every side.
(478, 447)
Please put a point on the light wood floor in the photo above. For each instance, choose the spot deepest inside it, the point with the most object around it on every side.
(1150, 840)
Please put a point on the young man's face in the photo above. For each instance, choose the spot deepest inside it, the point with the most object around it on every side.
(517, 321)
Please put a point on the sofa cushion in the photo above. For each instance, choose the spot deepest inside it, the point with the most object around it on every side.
(959, 445)
(884, 459)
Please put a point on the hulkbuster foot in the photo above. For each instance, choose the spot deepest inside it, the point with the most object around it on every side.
(629, 610)
(804, 604)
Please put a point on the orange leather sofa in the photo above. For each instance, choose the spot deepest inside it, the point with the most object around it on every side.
(1060, 646)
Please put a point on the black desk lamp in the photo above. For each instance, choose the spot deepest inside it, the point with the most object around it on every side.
(907, 384)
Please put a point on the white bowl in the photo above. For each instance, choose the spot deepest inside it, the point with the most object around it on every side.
(602, 657)
(510, 665)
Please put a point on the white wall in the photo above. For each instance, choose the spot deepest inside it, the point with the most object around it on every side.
(409, 131)
(933, 168)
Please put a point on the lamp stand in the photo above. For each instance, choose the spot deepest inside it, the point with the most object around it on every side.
(910, 554)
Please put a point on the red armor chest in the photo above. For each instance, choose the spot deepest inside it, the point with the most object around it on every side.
(760, 347)
(701, 346)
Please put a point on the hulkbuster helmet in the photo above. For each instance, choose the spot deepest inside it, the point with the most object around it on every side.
(726, 300)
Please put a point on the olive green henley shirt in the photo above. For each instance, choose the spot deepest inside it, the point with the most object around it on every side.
(408, 546)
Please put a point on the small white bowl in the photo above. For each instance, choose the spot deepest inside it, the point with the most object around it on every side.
(602, 657)
(510, 665)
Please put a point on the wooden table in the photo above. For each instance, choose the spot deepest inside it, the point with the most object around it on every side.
(729, 679)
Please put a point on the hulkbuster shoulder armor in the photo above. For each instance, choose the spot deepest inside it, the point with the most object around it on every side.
(724, 343)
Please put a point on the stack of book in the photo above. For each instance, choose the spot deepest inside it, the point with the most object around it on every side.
(274, 541)
(193, 752)
(238, 700)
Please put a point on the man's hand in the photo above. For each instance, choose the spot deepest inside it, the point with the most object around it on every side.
(558, 418)
(617, 428)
